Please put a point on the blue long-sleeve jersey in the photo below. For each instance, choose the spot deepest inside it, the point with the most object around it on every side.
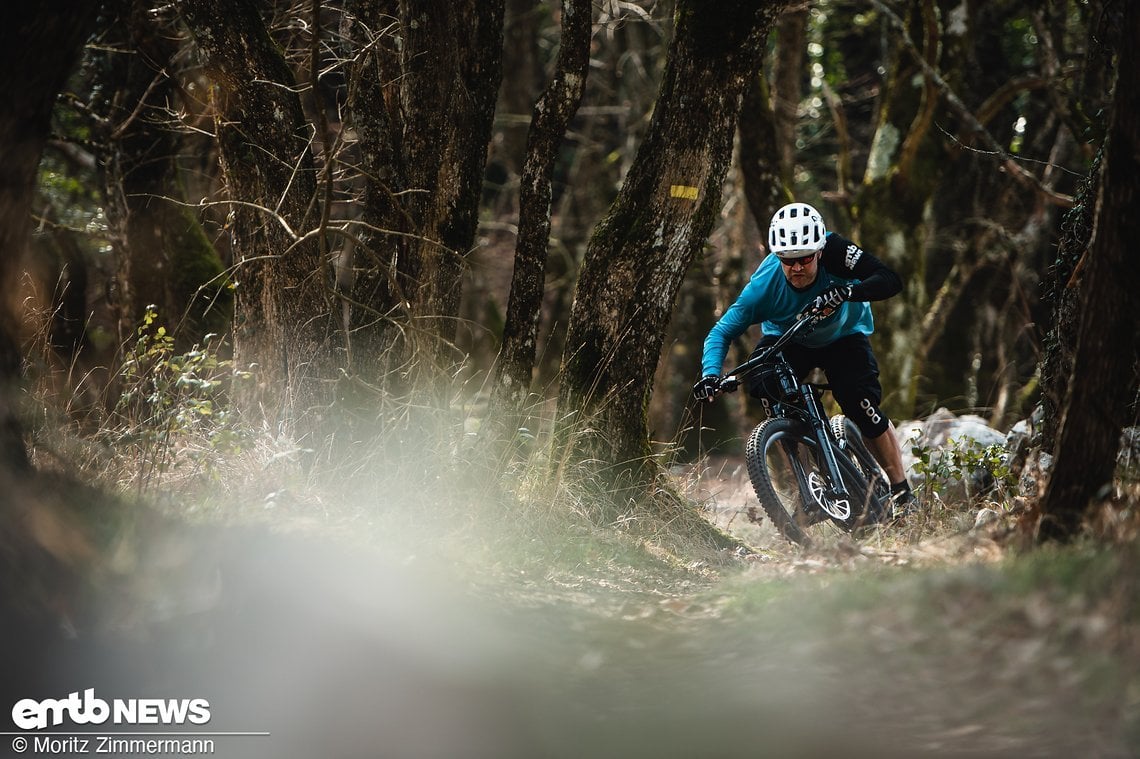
(772, 302)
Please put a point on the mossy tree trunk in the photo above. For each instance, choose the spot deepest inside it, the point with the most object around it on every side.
(285, 326)
(640, 252)
(1104, 378)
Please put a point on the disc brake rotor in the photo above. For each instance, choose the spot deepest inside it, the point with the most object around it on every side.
(839, 508)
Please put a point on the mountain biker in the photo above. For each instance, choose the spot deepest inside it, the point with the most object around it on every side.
(813, 267)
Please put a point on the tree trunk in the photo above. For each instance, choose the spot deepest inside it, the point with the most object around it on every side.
(422, 105)
(1104, 377)
(1061, 285)
(552, 113)
(641, 251)
(285, 323)
(451, 69)
(760, 139)
(787, 85)
(378, 307)
(164, 257)
(39, 45)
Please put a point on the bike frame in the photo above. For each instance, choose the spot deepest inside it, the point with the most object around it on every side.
(809, 408)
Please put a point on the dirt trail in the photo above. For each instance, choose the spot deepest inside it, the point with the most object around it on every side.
(591, 645)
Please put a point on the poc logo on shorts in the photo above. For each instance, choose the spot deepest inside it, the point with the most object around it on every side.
(869, 410)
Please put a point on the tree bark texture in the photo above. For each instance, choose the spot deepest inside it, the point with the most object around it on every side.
(423, 108)
(1104, 368)
(1061, 284)
(379, 267)
(642, 249)
(1061, 290)
(39, 45)
(451, 69)
(552, 113)
(285, 325)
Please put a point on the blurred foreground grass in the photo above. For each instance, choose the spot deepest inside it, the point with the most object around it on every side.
(401, 610)
(478, 636)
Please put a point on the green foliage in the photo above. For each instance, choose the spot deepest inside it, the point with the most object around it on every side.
(72, 198)
(1019, 42)
(959, 461)
(174, 402)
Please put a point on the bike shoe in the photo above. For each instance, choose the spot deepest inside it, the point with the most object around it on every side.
(901, 505)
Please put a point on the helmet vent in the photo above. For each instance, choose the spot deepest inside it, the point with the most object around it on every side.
(796, 226)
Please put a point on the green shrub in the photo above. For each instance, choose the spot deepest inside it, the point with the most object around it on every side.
(173, 403)
(960, 462)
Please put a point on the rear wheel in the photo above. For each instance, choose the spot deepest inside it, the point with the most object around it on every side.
(851, 443)
(791, 482)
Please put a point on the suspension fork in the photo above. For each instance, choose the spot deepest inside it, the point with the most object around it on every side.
(818, 418)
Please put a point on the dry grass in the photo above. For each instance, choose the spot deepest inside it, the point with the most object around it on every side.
(938, 635)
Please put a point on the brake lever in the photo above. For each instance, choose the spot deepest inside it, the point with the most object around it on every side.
(729, 384)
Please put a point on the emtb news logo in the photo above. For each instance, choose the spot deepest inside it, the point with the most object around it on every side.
(29, 714)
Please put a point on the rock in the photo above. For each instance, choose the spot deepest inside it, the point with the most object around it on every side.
(1128, 457)
(1034, 474)
(985, 518)
(1033, 464)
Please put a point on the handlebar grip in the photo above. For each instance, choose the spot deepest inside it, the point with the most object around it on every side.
(729, 384)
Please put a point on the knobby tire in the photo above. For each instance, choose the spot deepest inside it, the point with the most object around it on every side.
(781, 454)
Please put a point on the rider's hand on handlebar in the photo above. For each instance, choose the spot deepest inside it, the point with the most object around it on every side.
(832, 297)
(707, 389)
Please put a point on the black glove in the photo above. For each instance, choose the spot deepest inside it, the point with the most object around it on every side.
(832, 297)
(707, 389)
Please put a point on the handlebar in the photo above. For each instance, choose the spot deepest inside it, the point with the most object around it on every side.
(805, 322)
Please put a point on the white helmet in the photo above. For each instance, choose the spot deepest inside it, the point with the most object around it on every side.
(796, 227)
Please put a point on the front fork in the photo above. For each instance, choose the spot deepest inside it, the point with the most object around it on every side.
(818, 418)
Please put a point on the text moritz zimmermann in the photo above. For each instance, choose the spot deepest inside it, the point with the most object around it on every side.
(106, 744)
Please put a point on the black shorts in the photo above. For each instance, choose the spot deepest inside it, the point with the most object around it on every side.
(851, 371)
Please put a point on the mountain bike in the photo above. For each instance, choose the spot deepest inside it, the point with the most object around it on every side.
(814, 476)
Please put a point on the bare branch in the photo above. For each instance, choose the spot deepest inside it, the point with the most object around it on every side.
(1009, 161)
(923, 120)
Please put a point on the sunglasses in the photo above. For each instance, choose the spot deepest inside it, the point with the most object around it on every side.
(794, 261)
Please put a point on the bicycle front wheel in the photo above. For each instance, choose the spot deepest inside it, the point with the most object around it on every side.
(792, 482)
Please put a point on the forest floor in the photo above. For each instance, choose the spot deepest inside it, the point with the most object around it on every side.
(935, 637)
(482, 632)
